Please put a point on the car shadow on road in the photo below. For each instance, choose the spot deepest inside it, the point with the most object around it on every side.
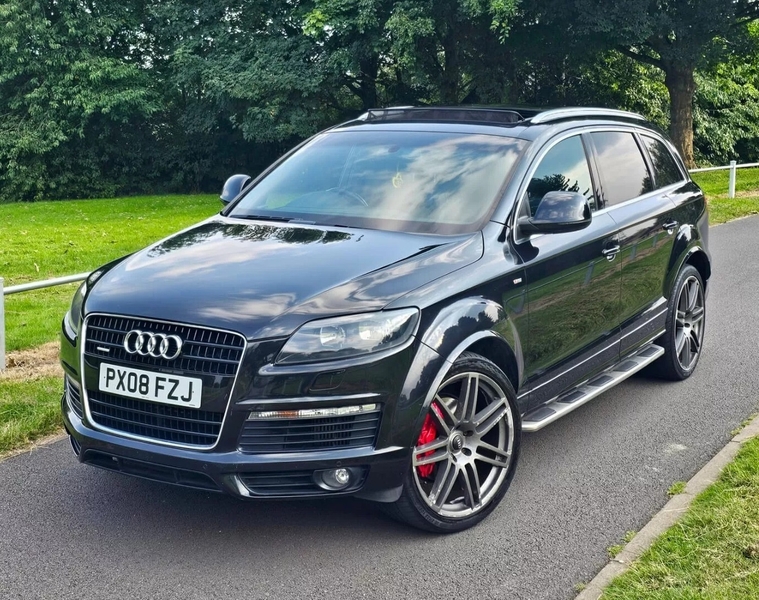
(150, 509)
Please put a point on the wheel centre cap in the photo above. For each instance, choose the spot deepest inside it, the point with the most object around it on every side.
(457, 442)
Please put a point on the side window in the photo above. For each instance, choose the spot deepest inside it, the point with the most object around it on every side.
(666, 171)
(563, 169)
(623, 169)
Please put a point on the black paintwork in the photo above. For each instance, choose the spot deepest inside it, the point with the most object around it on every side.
(558, 212)
(232, 187)
(550, 309)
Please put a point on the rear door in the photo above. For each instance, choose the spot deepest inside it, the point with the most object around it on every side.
(635, 198)
(573, 289)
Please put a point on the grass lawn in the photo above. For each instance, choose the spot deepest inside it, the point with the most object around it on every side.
(28, 410)
(713, 552)
(722, 208)
(49, 239)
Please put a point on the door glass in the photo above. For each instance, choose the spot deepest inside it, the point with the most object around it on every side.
(623, 170)
(563, 169)
(666, 170)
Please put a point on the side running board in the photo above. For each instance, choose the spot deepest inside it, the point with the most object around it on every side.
(574, 398)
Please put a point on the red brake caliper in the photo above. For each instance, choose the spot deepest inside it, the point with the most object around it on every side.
(429, 433)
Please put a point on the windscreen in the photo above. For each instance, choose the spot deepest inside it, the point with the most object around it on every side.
(427, 182)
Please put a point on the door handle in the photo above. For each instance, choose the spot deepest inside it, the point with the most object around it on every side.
(611, 252)
(670, 227)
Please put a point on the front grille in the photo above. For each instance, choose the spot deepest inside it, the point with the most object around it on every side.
(204, 351)
(73, 397)
(157, 421)
(288, 483)
(213, 356)
(263, 436)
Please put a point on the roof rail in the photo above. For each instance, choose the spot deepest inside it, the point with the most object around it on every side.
(465, 114)
(558, 114)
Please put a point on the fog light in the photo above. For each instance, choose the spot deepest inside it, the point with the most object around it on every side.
(336, 479)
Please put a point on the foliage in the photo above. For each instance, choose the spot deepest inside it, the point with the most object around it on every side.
(65, 81)
(115, 98)
(676, 36)
(727, 114)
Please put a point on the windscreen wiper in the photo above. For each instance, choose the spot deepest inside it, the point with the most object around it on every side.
(262, 218)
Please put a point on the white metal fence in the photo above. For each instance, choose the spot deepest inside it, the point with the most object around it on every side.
(36, 285)
(733, 166)
(26, 287)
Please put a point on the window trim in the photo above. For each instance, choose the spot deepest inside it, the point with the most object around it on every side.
(545, 149)
(586, 130)
(672, 153)
(643, 155)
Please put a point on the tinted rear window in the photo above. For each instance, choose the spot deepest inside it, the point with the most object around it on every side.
(666, 171)
(401, 180)
(623, 169)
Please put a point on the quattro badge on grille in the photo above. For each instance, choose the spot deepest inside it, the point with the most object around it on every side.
(157, 345)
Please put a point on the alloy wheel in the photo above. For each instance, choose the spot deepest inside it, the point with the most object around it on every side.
(465, 448)
(689, 323)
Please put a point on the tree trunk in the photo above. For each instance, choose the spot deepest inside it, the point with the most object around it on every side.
(369, 66)
(449, 84)
(681, 84)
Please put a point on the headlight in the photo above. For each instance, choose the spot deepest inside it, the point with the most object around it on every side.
(74, 315)
(353, 335)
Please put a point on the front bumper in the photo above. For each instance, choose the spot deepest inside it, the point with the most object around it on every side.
(399, 382)
(379, 472)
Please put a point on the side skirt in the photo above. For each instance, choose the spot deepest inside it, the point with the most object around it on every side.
(574, 398)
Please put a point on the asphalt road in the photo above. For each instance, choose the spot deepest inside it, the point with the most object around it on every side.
(70, 531)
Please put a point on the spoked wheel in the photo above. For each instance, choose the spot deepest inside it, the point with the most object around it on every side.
(689, 323)
(465, 455)
(686, 320)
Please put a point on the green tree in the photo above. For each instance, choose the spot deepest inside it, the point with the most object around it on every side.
(65, 76)
(453, 47)
(352, 36)
(676, 36)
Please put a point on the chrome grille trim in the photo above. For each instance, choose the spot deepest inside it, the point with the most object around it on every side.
(123, 434)
(205, 351)
(73, 397)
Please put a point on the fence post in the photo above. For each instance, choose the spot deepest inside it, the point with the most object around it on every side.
(731, 190)
(2, 326)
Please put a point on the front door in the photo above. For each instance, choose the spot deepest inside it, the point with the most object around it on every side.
(573, 285)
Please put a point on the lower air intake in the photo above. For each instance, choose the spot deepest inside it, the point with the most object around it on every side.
(271, 436)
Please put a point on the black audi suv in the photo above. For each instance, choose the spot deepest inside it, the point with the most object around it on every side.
(386, 309)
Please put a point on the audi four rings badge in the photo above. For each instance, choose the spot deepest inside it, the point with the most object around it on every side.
(157, 345)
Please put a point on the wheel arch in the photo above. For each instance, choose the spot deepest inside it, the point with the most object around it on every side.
(688, 249)
(699, 259)
(497, 351)
(477, 325)
(474, 324)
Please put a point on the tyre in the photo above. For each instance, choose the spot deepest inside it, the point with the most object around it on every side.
(686, 319)
(466, 452)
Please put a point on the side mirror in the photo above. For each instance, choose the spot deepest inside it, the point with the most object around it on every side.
(558, 212)
(232, 187)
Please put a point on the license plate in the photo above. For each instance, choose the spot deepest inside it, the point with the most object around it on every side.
(154, 387)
